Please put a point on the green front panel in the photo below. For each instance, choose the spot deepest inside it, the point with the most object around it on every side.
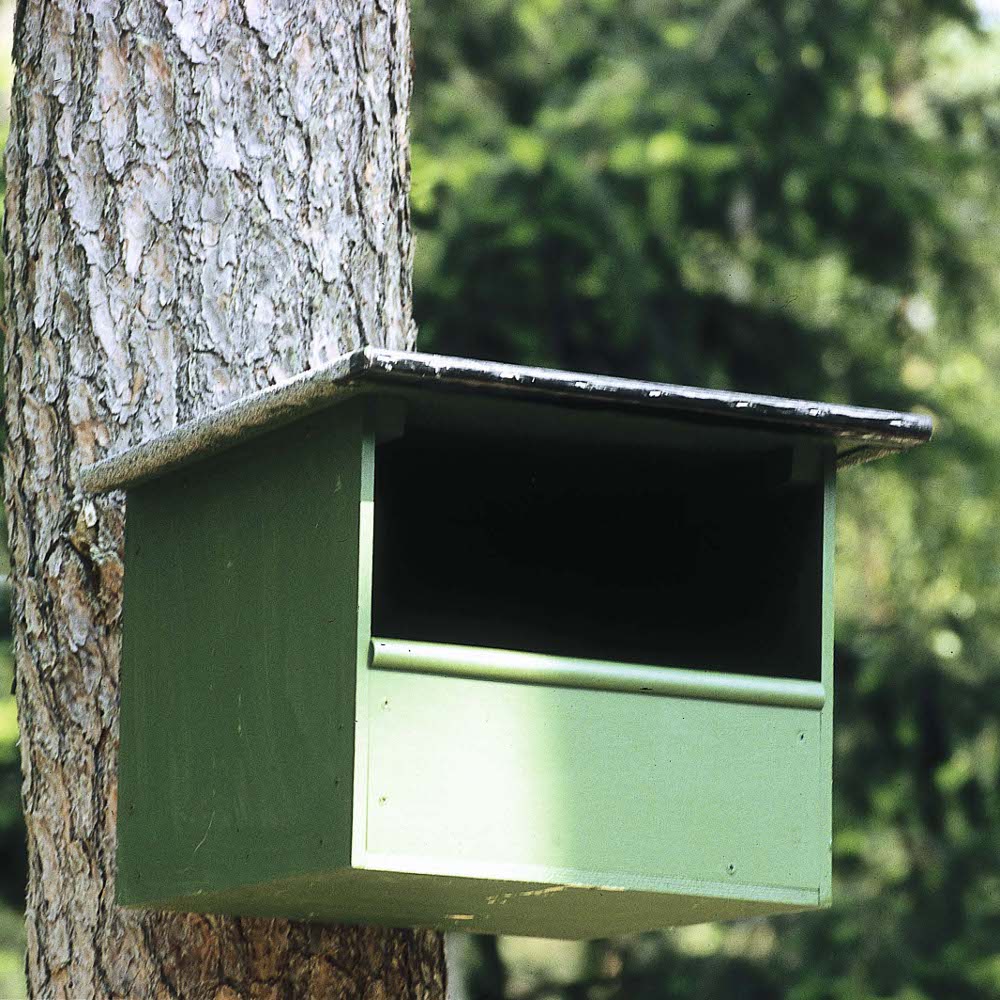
(551, 784)
(239, 664)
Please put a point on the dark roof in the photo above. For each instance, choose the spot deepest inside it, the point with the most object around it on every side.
(860, 434)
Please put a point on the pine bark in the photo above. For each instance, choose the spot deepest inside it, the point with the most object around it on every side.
(204, 197)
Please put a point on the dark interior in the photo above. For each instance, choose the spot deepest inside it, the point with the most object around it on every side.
(671, 558)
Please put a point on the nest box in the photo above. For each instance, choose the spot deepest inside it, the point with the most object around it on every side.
(421, 641)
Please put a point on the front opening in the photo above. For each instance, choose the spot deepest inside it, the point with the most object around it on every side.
(665, 557)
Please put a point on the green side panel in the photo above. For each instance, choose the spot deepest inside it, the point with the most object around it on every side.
(239, 663)
(826, 639)
(557, 785)
(483, 905)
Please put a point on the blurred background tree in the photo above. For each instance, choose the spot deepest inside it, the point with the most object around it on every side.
(781, 196)
(790, 197)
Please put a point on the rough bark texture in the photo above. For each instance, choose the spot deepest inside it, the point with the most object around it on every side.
(204, 197)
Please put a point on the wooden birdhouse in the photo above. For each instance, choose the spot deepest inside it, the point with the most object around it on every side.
(421, 641)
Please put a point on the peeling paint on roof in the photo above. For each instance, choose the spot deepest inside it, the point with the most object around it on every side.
(861, 434)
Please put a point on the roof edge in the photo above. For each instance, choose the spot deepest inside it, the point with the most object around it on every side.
(228, 426)
(867, 433)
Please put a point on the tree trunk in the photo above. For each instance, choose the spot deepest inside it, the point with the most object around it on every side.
(204, 197)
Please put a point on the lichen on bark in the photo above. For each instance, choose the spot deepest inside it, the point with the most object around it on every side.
(204, 197)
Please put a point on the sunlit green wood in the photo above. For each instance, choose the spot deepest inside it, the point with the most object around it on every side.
(498, 779)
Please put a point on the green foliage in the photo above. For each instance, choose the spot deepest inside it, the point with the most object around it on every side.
(788, 197)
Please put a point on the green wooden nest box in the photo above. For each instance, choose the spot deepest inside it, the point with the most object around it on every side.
(420, 641)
